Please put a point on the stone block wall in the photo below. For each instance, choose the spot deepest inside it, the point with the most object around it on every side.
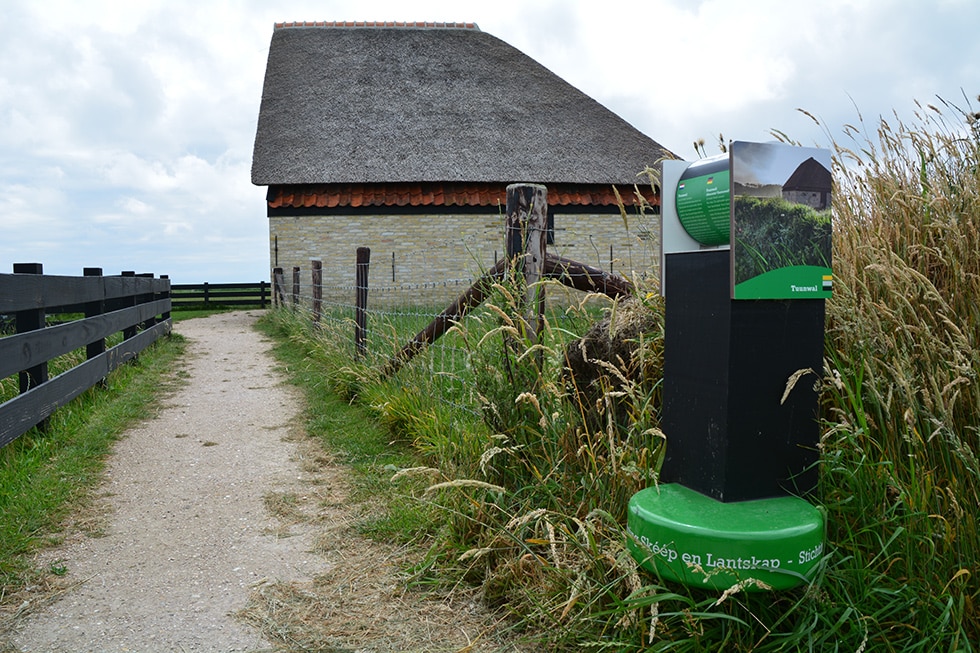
(433, 258)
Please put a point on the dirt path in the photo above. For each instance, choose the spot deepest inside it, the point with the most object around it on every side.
(189, 535)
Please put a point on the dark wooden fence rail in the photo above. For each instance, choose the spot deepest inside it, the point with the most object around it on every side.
(137, 305)
(221, 294)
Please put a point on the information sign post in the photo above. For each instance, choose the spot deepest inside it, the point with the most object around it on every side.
(746, 271)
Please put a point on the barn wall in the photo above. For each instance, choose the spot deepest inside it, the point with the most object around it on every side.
(436, 257)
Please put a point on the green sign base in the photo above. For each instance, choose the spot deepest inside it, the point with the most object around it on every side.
(688, 537)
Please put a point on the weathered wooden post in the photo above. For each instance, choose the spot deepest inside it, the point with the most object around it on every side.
(165, 295)
(128, 301)
(363, 264)
(31, 320)
(93, 308)
(278, 288)
(295, 295)
(143, 299)
(525, 230)
(317, 274)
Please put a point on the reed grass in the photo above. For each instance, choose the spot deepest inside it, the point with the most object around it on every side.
(533, 474)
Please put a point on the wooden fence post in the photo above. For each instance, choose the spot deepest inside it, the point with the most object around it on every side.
(361, 296)
(144, 298)
(295, 295)
(526, 230)
(164, 295)
(317, 289)
(262, 286)
(93, 308)
(31, 320)
(128, 301)
(278, 289)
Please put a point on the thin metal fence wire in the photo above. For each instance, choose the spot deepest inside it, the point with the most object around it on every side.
(392, 321)
(399, 309)
(395, 315)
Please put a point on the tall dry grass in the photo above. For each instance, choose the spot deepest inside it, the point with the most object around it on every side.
(533, 480)
(900, 464)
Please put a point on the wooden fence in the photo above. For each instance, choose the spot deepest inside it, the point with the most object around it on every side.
(221, 294)
(93, 307)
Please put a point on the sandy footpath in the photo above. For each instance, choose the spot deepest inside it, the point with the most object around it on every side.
(187, 535)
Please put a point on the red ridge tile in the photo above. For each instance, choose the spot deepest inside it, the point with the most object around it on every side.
(446, 194)
(373, 23)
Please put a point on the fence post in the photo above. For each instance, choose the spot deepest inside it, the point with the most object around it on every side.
(361, 297)
(93, 308)
(207, 294)
(278, 289)
(31, 320)
(164, 295)
(144, 298)
(127, 301)
(295, 287)
(262, 285)
(526, 229)
(317, 289)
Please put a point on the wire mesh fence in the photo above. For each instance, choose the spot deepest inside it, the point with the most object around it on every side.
(393, 314)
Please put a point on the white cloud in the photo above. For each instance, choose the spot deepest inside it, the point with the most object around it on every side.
(126, 127)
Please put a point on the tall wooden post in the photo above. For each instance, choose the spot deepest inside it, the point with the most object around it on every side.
(166, 294)
(361, 297)
(295, 287)
(278, 288)
(31, 320)
(93, 308)
(317, 274)
(526, 229)
(129, 300)
(143, 299)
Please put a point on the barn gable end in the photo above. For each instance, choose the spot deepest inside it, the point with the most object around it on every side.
(397, 136)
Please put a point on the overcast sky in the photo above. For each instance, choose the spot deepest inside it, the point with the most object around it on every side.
(126, 128)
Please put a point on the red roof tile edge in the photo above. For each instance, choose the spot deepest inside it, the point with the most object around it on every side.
(374, 23)
(446, 194)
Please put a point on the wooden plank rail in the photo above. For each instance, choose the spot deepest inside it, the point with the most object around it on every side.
(137, 305)
(221, 294)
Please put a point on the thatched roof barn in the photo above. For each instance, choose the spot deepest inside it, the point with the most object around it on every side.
(430, 114)
(403, 137)
(809, 184)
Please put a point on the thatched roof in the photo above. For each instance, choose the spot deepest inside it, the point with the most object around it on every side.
(421, 103)
(811, 175)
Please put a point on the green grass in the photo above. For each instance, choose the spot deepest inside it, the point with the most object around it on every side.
(46, 477)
